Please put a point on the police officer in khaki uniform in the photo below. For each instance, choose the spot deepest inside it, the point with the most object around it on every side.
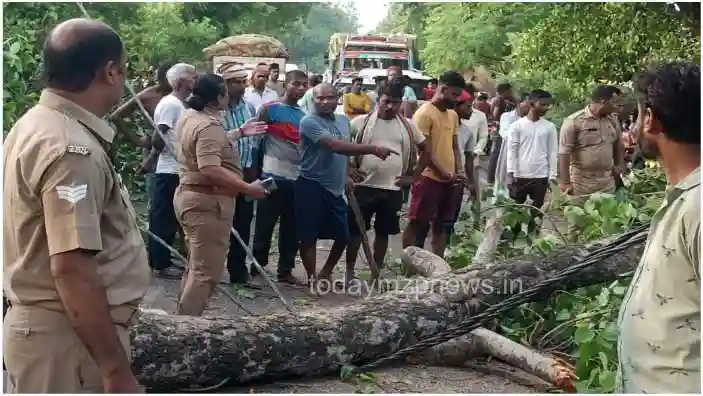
(209, 184)
(75, 265)
(590, 149)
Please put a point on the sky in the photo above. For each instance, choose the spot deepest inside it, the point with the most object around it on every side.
(371, 12)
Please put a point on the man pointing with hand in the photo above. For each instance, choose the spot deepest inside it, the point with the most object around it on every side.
(320, 203)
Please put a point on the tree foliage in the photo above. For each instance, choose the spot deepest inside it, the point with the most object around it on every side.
(565, 48)
(309, 43)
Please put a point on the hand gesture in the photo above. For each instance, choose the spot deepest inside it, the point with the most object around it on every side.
(566, 188)
(383, 152)
(459, 179)
(257, 190)
(254, 128)
(404, 181)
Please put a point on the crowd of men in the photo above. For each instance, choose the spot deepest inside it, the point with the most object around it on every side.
(75, 262)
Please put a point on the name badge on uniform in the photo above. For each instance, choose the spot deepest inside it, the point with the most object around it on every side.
(77, 149)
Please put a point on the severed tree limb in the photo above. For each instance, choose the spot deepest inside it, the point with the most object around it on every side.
(486, 251)
(174, 352)
(483, 342)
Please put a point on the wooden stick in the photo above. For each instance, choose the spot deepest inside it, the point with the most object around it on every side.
(354, 206)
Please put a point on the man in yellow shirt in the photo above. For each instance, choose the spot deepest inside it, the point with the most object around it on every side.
(356, 102)
(434, 195)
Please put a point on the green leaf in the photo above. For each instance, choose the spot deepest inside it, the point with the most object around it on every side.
(15, 47)
(606, 380)
(583, 335)
(347, 372)
(563, 315)
(610, 332)
(619, 290)
(603, 297)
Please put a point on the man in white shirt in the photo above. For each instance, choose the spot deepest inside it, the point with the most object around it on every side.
(162, 218)
(532, 155)
(506, 120)
(259, 93)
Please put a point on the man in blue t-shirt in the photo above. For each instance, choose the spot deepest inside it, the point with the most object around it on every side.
(320, 202)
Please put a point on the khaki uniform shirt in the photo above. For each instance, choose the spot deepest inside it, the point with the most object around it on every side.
(61, 193)
(203, 142)
(590, 142)
(660, 323)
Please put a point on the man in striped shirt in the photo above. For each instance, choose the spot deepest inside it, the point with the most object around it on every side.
(237, 113)
(281, 161)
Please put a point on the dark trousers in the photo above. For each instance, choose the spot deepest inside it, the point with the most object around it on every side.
(493, 159)
(162, 218)
(279, 205)
(536, 189)
(237, 256)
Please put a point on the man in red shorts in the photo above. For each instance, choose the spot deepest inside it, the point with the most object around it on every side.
(435, 195)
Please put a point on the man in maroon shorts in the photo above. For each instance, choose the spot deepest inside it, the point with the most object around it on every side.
(435, 195)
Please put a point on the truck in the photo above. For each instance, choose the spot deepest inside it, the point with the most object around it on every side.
(350, 53)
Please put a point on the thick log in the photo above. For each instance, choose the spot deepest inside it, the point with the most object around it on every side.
(173, 352)
(417, 261)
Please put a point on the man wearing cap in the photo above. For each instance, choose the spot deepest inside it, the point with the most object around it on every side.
(237, 114)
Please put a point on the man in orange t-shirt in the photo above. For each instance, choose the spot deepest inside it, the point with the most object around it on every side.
(434, 193)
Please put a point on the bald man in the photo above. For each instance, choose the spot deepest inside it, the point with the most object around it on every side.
(259, 93)
(75, 269)
(320, 206)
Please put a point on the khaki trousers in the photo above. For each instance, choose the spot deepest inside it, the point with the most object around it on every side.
(43, 353)
(206, 221)
(586, 183)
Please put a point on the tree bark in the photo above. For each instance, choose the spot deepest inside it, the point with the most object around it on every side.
(173, 352)
(486, 251)
(417, 261)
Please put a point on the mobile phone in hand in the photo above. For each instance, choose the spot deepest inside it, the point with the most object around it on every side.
(269, 184)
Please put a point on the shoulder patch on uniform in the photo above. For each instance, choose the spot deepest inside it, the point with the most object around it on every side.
(73, 193)
(78, 149)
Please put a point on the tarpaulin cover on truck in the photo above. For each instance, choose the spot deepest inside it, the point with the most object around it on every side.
(248, 45)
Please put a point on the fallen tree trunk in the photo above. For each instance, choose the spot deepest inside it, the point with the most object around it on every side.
(172, 352)
(483, 342)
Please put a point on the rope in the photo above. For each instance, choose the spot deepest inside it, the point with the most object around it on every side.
(618, 245)
(172, 149)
